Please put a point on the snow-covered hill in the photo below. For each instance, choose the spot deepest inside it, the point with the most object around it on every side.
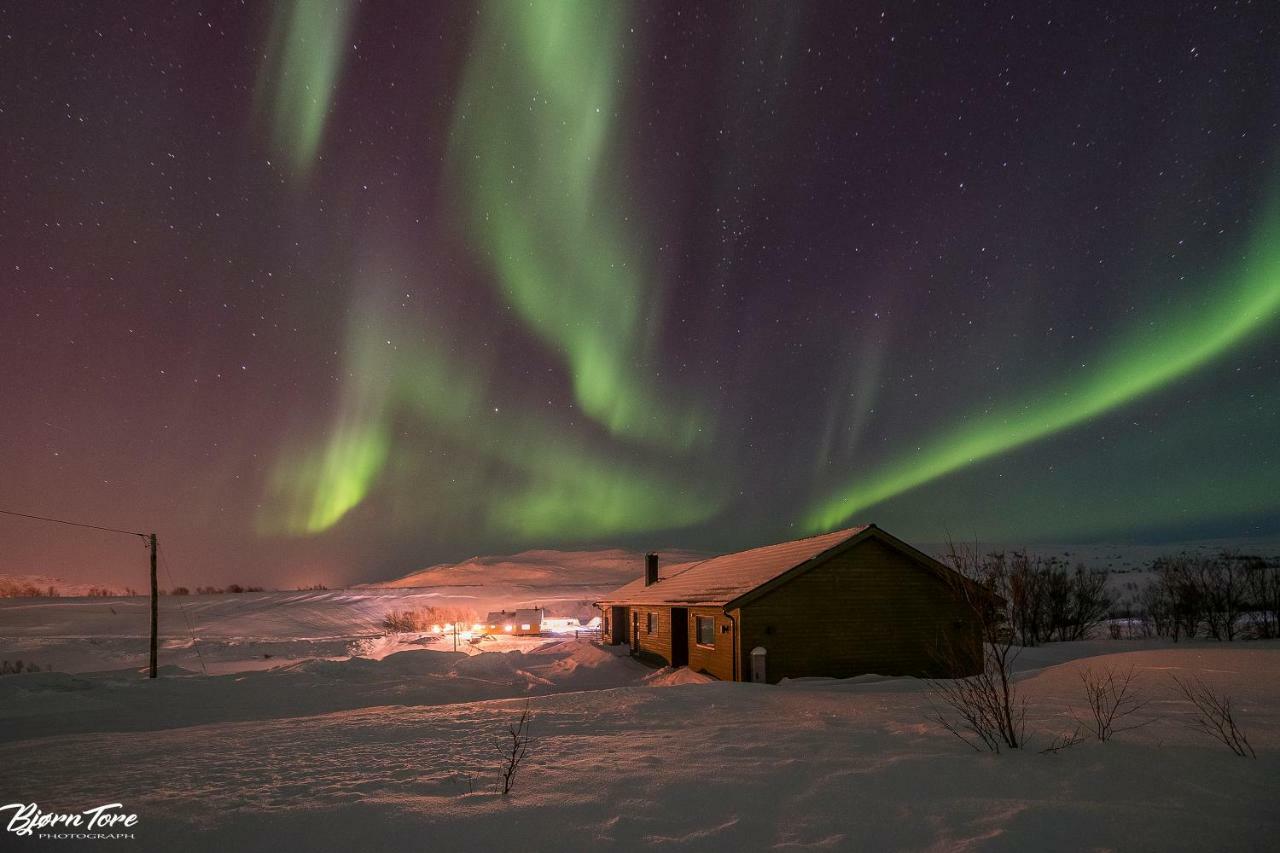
(604, 570)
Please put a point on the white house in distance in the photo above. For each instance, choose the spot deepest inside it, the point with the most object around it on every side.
(520, 623)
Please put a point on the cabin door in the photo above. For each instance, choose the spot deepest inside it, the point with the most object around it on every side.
(617, 625)
(679, 636)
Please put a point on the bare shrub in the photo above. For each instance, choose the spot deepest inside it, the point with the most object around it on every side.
(1214, 716)
(1223, 583)
(1075, 736)
(1264, 598)
(423, 619)
(983, 710)
(20, 589)
(405, 621)
(1086, 604)
(1210, 594)
(1044, 600)
(1156, 604)
(515, 750)
(18, 667)
(1111, 700)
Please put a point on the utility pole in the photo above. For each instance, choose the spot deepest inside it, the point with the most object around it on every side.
(148, 539)
(155, 607)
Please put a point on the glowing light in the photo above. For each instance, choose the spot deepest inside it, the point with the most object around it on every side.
(306, 50)
(1167, 349)
(535, 147)
(552, 482)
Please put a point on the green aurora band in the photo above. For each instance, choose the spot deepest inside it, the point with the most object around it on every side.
(306, 49)
(533, 153)
(541, 481)
(1166, 351)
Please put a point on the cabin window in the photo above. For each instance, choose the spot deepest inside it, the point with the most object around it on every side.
(650, 623)
(707, 631)
(525, 627)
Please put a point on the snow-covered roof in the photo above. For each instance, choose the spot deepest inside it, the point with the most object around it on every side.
(528, 616)
(719, 580)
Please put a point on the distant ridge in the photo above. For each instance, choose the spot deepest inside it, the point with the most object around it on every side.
(549, 568)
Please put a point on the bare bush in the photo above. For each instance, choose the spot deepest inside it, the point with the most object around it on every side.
(1214, 716)
(424, 619)
(1223, 584)
(1264, 598)
(1075, 736)
(1155, 602)
(1212, 595)
(1044, 601)
(515, 750)
(983, 710)
(18, 667)
(405, 621)
(1111, 700)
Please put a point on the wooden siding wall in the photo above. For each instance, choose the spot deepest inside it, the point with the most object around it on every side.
(868, 610)
(718, 661)
(655, 644)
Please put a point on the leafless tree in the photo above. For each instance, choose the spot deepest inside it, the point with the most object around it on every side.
(1223, 586)
(1087, 604)
(1180, 578)
(1155, 602)
(515, 750)
(984, 710)
(1264, 596)
(1044, 600)
(1111, 700)
(1214, 715)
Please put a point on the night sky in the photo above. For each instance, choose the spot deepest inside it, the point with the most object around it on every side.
(330, 291)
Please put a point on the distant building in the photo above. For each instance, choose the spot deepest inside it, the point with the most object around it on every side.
(520, 623)
(842, 604)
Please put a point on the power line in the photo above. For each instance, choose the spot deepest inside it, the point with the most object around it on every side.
(195, 644)
(72, 523)
(149, 541)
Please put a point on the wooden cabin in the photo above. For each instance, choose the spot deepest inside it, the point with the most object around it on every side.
(841, 604)
(519, 623)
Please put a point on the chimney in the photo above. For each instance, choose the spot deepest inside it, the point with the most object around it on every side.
(650, 569)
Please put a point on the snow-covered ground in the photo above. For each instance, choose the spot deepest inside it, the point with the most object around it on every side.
(398, 750)
(229, 633)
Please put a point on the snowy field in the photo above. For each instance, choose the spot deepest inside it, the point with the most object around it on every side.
(373, 743)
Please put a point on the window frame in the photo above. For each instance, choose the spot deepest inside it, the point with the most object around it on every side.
(650, 622)
(711, 631)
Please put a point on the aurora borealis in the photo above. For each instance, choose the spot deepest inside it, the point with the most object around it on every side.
(331, 291)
